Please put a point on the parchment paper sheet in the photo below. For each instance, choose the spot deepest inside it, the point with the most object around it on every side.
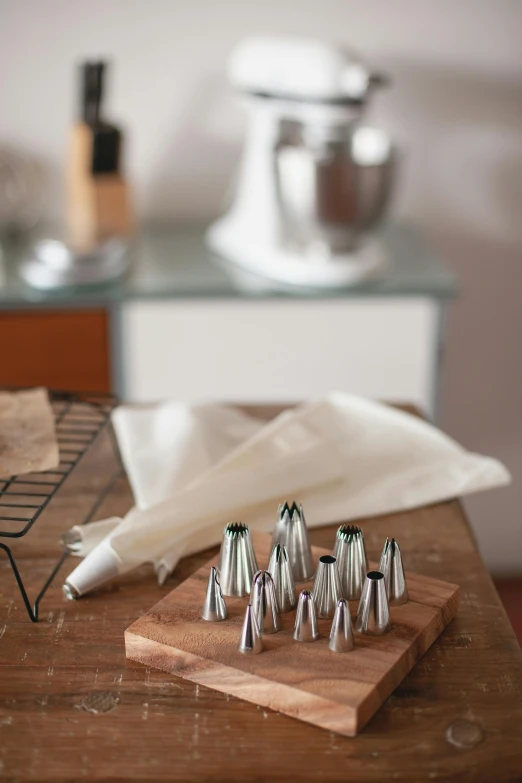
(28, 441)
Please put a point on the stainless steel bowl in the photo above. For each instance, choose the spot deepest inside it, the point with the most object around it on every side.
(333, 183)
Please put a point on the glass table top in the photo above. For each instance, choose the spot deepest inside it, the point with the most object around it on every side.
(174, 262)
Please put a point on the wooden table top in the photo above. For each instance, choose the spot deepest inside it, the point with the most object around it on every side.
(72, 708)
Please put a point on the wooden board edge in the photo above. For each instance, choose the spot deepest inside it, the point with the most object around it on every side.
(387, 684)
(451, 607)
(289, 701)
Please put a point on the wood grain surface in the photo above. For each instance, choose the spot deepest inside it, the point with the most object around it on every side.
(73, 709)
(304, 681)
(60, 349)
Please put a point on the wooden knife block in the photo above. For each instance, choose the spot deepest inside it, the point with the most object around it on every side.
(98, 204)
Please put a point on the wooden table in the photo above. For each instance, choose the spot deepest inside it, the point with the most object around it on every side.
(71, 708)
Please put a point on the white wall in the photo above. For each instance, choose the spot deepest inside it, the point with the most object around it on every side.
(455, 110)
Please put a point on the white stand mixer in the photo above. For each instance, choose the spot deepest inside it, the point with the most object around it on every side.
(312, 179)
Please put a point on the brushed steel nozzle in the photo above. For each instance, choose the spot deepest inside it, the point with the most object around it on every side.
(237, 562)
(373, 616)
(250, 640)
(305, 627)
(327, 590)
(214, 608)
(70, 592)
(392, 568)
(341, 634)
(290, 530)
(281, 573)
(352, 562)
(72, 540)
(264, 603)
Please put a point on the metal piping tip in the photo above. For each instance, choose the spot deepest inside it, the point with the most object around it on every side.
(250, 641)
(352, 562)
(237, 562)
(264, 603)
(305, 628)
(327, 589)
(391, 566)
(214, 608)
(72, 540)
(70, 592)
(341, 634)
(290, 530)
(281, 572)
(373, 616)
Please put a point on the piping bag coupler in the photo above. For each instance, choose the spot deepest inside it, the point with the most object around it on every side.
(79, 540)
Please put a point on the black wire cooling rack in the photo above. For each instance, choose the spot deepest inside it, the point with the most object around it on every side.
(80, 419)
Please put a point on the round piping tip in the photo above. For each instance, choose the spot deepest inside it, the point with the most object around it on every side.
(327, 589)
(373, 616)
(341, 634)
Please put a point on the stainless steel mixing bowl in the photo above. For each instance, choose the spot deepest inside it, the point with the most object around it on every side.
(333, 183)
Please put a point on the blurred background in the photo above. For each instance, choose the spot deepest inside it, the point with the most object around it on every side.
(432, 314)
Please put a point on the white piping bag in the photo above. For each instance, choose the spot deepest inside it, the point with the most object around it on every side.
(283, 459)
(343, 457)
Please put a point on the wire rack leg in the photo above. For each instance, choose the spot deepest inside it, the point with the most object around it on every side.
(31, 611)
(69, 399)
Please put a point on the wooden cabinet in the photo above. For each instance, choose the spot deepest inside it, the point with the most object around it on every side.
(61, 349)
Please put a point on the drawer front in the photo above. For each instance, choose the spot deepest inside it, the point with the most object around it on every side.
(62, 349)
(279, 351)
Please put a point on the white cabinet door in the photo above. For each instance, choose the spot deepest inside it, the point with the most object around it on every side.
(279, 350)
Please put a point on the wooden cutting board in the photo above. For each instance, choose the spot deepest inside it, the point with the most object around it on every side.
(305, 681)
